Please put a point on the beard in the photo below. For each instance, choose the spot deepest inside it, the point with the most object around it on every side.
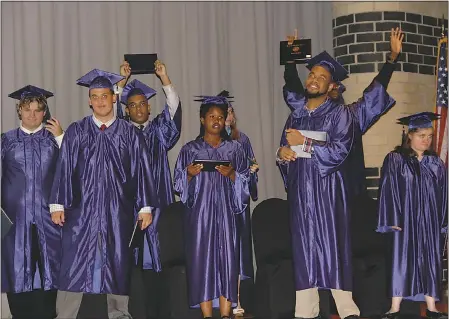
(313, 95)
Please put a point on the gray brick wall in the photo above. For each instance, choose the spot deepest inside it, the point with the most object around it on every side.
(361, 41)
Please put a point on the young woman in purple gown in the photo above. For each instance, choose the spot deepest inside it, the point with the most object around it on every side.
(212, 199)
(413, 206)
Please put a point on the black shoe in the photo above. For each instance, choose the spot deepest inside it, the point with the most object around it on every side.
(352, 317)
(435, 314)
(391, 315)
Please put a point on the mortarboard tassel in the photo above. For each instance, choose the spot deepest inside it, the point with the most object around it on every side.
(47, 115)
(404, 136)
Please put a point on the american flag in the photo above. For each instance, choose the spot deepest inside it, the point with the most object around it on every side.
(441, 101)
(440, 125)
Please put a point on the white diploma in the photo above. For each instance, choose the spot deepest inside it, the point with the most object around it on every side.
(316, 135)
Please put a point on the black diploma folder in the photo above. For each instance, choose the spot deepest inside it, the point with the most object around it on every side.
(141, 63)
(209, 165)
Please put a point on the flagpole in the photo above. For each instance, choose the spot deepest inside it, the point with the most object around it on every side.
(442, 39)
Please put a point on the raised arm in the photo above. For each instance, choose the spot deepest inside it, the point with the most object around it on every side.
(293, 89)
(375, 100)
(168, 123)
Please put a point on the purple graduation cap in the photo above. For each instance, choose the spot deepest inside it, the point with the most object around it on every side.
(338, 72)
(209, 99)
(30, 91)
(419, 120)
(98, 79)
(135, 87)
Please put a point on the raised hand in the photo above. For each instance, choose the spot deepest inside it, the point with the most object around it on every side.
(160, 68)
(291, 38)
(396, 38)
(125, 70)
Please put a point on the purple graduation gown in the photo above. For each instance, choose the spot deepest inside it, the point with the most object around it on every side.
(366, 111)
(413, 196)
(102, 177)
(161, 134)
(318, 199)
(211, 235)
(244, 220)
(28, 162)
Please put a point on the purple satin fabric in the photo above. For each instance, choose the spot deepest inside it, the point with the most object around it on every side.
(28, 163)
(413, 196)
(317, 195)
(374, 102)
(160, 136)
(101, 178)
(367, 110)
(244, 220)
(212, 202)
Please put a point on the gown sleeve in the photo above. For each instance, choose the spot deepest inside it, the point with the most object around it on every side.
(390, 211)
(64, 190)
(293, 85)
(253, 176)
(329, 156)
(168, 130)
(372, 105)
(241, 183)
(146, 195)
(186, 190)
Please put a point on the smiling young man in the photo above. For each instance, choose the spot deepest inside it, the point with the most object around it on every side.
(102, 178)
(31, 249)
(323, 184)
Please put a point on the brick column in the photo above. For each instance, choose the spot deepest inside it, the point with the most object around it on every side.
(361, 42)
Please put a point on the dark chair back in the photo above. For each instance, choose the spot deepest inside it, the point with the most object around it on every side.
(171, 235)
(271, 231)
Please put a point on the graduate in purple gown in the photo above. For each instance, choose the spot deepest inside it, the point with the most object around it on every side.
(102, 178)
(161, 134)
(244, 220)
(366, 111)
(317, 189)
(413, 206)
(31, 250)
(212, 200)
